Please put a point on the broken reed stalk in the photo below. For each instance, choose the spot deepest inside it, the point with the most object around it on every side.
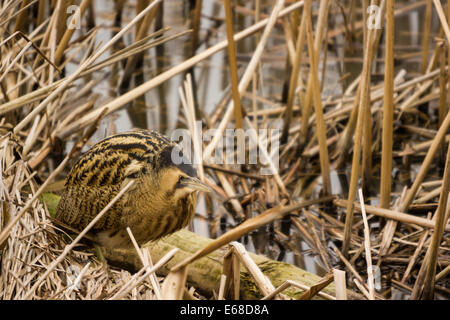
(351, 269)
(69, 247)
(233, 65)
(256, 73)
(366, 161)
(413, 259)
(321, 129)
(196, 25)
(145, 263)
(340, 284)
(174, 284)
(320, 27)
(231, 269)
(443, 80)
(262, 282)
(188, 103)
(426, 37)
(295, 72)
(290, 45)
(367, 135)
(356, 165)
(370, 279)
(431, 262)
(140, 5)
(61, 17)
(344, 142)
(448, 69)
(21, 17)
(223, 280)
(442, 18)
(361, 288)
(387, 132)
(388, 110)
(318, 243)
(315, 289)
(325, 57)
(41, 10)
(364, 6)
(392, 214)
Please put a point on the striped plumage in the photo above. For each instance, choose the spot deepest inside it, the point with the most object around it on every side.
(161, 201)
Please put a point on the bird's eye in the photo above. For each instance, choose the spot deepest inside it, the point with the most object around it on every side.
(180, 180)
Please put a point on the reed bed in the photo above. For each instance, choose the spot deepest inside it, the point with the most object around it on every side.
(380, 129)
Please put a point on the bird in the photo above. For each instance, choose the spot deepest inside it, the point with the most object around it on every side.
(161, 200)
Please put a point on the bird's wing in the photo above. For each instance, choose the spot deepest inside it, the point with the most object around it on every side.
(100, 173)
(91, 184)
(80, 204)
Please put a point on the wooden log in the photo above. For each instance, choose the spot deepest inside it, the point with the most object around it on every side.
(204, 274)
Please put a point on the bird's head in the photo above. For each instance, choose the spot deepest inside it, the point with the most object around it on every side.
(177, 178)
(178, 184)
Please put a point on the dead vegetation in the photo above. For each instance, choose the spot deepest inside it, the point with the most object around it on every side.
(383, 127)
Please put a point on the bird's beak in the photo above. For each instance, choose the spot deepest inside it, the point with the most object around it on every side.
(196, 184)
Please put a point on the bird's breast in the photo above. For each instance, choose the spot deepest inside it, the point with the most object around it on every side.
(152, 221)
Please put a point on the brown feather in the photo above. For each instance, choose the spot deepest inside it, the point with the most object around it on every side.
(152, 208)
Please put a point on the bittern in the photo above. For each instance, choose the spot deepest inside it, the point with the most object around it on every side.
(161, 201)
